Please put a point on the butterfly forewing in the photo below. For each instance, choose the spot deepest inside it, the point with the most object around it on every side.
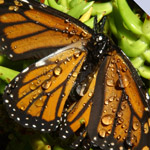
(78, 113)
(108, 110)
(38, 94)
(35, 30)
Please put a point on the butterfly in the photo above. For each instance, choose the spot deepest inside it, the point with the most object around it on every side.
(83, 84)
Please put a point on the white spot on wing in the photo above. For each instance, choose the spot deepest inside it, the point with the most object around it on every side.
(17, 79)
(18, 118)
(64, 136)
(11, 96)
(10, 55)
(6, 101)
(26, 124)
(43, 130)
(14, 109)
(34, 126)
(12, 115)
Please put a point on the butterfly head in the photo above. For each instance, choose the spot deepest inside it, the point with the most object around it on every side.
(98, 45)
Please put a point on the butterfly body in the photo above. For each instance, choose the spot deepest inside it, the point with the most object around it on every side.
(84, 85)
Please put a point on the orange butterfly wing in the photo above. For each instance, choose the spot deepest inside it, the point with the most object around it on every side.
(33, 30)
(36, 97)
(119, 105)
(113, 112)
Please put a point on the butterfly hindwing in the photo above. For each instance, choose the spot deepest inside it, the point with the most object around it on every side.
(30, 29)
(119, 106)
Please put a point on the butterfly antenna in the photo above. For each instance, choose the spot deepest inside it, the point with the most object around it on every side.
(95, 25)
(99, 26)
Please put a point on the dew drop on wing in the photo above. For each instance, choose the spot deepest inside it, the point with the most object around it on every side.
(32, 86)
(135, 125)
(57, 71)
(102, 133)
(46, 84)
(110, 82)
(107, 119)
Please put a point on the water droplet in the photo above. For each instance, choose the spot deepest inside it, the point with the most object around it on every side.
(68, 59)
(110, 82)
(38, 82)
(120, 120)
(107, 119)
(14, 8)
(77, 54)
(39, 91)
(126, 130)
(118, 60)
(46, 85)
(33, 86)
(113, 61)
(120, 114)
(106, 102)
(22, 108)
(65, 62)
(81, 89)
(113, 75)
(111, 65)
(146, 128)
(125, 81)
(114, 110)
(34, 96)
(84, 33)
(118, 137)
(109, 131)
(102, 133)
(57, 71)
(123, 126)
(30, 101)
(123, 106)
(133, 139)
(24, 93)
(135, 125)
(124, 69)
(74, 74)
(105, 111)
(39, 102)
(111, 99)
(57, 60)
(90, 94)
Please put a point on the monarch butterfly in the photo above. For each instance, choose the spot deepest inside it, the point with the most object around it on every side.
(84, 85)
